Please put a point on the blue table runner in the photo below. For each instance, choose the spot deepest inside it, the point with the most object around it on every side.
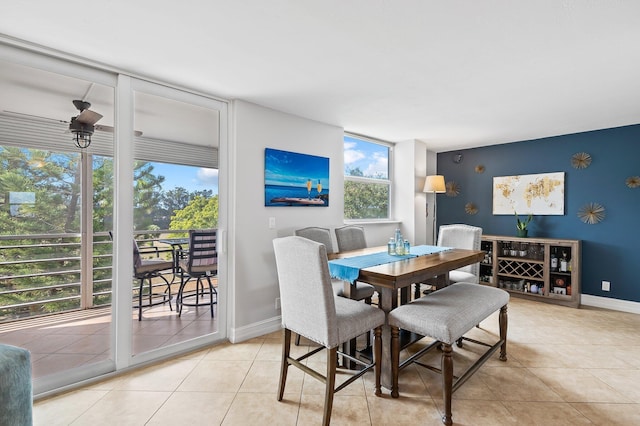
(348, 269)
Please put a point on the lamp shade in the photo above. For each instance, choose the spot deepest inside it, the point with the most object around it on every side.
(435, 184)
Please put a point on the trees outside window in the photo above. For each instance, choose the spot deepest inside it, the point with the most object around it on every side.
(366, 178)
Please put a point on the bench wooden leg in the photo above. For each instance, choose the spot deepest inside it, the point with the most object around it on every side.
(502, 319)
(395, 360)
(447, 382)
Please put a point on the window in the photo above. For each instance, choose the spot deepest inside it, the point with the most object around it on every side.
(366, 178)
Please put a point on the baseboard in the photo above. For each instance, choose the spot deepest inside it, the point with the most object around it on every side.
(237, 335)
(609, 303)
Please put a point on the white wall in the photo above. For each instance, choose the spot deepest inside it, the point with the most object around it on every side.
(254, 280)
(409, 171)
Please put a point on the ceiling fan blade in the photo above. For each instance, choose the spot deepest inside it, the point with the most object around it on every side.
(88, 117)
(102, 128)
(31, 116)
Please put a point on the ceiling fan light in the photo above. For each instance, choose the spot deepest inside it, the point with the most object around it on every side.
(82, 139)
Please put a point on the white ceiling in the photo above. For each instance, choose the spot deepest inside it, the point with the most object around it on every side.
(454, 74)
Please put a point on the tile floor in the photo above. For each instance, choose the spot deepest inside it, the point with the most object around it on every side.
(73, 339)
(566, 366)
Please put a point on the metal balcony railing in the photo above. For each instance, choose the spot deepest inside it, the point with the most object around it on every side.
(42, 274)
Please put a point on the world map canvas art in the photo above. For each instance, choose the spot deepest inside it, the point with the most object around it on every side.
(539, 194)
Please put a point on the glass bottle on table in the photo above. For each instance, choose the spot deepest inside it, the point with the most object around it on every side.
(391, 246)
(399, 242)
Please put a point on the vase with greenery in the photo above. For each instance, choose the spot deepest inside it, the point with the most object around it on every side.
(521, 225)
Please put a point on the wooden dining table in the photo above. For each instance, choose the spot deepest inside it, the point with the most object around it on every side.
(391, 277)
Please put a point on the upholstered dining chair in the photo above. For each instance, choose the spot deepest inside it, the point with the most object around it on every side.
(464, 237)
(201, 263)
(310, 309)
(362, 291)
(460, 236)
(149, 270)
(350, 237)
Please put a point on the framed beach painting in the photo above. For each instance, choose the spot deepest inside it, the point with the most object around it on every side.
(294, 179)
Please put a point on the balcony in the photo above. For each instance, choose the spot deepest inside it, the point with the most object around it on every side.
(49, 307)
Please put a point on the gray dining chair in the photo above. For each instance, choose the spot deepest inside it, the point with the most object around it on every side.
(350, 237)
(464, 237)
(460, 236)
(310, 309)
(362, 291)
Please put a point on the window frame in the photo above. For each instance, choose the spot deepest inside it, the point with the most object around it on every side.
(367, 180)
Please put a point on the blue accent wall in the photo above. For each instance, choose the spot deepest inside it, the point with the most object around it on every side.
(611, 248)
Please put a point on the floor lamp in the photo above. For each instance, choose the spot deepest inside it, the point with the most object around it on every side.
(434, 184)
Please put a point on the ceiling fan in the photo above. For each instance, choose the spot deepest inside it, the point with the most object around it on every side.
(81, 126)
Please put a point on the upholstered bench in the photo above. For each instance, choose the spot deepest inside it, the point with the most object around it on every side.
(445, 316)
(16, 398)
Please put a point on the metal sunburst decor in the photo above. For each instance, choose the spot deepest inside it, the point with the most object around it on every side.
(581, 160)
(633, 181)
(470, 208)
(453, 189)
(591, 213)
(479, 168)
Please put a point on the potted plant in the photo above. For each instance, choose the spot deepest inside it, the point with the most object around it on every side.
(521, 225)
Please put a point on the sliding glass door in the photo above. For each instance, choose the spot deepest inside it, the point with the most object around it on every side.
(148, 171)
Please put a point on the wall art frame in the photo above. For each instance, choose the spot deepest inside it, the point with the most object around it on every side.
(537, 194)
(295, 179)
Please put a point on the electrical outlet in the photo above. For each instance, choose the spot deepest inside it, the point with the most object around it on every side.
(277, 303)
(272, 223)
(606, 285)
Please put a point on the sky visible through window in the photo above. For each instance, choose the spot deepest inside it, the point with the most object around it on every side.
(371, 158)
(188, 177)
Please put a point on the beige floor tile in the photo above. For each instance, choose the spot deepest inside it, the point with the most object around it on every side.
(405, 410)
(625, 382)
(516, 384)
(264, 377)
(574, 385)
(478, 412)
(64, 409)
(166, 376)
(193, 409)
(347, 410)
(610, 414)
(545, 413)
(123, 408)
(216, 376)
(262, 409)
(246, 351)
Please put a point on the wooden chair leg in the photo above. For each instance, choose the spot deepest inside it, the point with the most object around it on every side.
(297, 340)
(330, 385)
(284, 365)
(447, 382)
(395, 361)
(377, 355)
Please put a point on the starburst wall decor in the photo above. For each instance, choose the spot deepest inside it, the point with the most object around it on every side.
(633, 181)
(591, 213)
(581, 160)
